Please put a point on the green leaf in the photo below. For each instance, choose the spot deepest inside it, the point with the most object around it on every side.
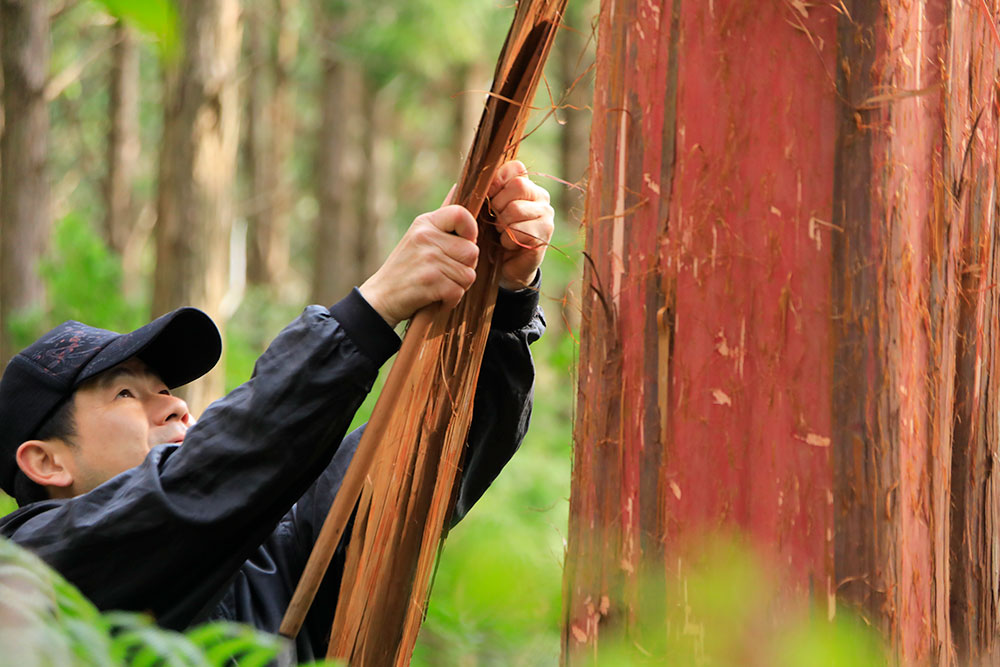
(157, 18)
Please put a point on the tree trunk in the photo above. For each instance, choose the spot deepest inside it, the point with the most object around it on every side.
(970, 162)
(197, 165)
(468, 107)
(24, 187)
(270, 131)
(788, 314)
(375, 188)
(123, 140)
(338, 177)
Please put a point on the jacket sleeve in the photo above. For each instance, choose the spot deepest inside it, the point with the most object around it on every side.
(167, 536)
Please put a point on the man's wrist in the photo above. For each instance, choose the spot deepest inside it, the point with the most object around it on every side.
(515, 309)
(371, 296)
(514, 286)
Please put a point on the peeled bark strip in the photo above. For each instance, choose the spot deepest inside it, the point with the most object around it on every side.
(24, 186)
(197, 168)
(792, 269)
(410, 454)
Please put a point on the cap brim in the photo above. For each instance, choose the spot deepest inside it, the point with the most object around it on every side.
(180, 346)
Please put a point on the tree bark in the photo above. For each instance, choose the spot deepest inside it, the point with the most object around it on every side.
(577, 87)
(123, 140)
(24, 187)
(788, 315)
(197, 165)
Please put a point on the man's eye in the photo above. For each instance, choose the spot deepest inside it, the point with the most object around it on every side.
(125, 393)
(165, 392)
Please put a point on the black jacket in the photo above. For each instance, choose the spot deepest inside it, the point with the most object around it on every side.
(221, 526)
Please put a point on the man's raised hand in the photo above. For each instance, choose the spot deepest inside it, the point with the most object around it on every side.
(436, 258)
(525, 220)
(434, 261)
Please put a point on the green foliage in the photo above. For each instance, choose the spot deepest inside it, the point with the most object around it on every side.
(84, 282)
(44, 620)
(157, 18)
(418, 38)
(7, 504)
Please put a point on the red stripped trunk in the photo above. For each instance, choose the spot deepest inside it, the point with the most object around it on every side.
(788, 316)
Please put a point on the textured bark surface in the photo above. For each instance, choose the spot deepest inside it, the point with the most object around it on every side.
(796, 285)
(971, 104)
(24, 187)
(197, 166)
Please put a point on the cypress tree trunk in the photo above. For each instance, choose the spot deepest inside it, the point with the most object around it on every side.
(197, 165)
(788, 314)
(24, 186)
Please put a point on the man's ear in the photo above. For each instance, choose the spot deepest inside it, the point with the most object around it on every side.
(44, 462)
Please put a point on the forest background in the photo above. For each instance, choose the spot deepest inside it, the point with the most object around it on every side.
(351, 119)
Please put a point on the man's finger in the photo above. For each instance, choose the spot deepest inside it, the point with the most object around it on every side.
(506, 173)
(523, 210)
(461, 250)
(457, 219)
(520, 238)
(520, 188)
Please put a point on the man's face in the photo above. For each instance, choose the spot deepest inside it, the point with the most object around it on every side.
(119, 416)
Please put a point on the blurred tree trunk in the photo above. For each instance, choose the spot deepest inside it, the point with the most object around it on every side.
(123, 140)
(338, 181)
(377, 202)
(789, 323)
(468, 107)
(197, 167)
(24, 187)
(270, 131)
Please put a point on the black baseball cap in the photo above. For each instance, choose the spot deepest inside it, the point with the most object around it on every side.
(180, 346)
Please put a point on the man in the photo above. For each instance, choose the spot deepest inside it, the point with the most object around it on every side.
(221, 526)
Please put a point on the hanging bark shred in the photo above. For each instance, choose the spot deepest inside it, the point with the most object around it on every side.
(407, 487)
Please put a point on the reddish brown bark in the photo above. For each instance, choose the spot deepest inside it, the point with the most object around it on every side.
(795, 284)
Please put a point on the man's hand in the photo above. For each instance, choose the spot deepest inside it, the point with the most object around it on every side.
(525, 221)
(436, 258)
(429, 264)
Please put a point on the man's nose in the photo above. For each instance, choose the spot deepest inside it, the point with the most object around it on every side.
(168, 408)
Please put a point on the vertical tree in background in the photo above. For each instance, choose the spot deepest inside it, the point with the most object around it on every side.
(24, 187)
(789, 314)
(123, 139)
(375, 188)
(339, 164)
(272, 36)
(197, 166)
